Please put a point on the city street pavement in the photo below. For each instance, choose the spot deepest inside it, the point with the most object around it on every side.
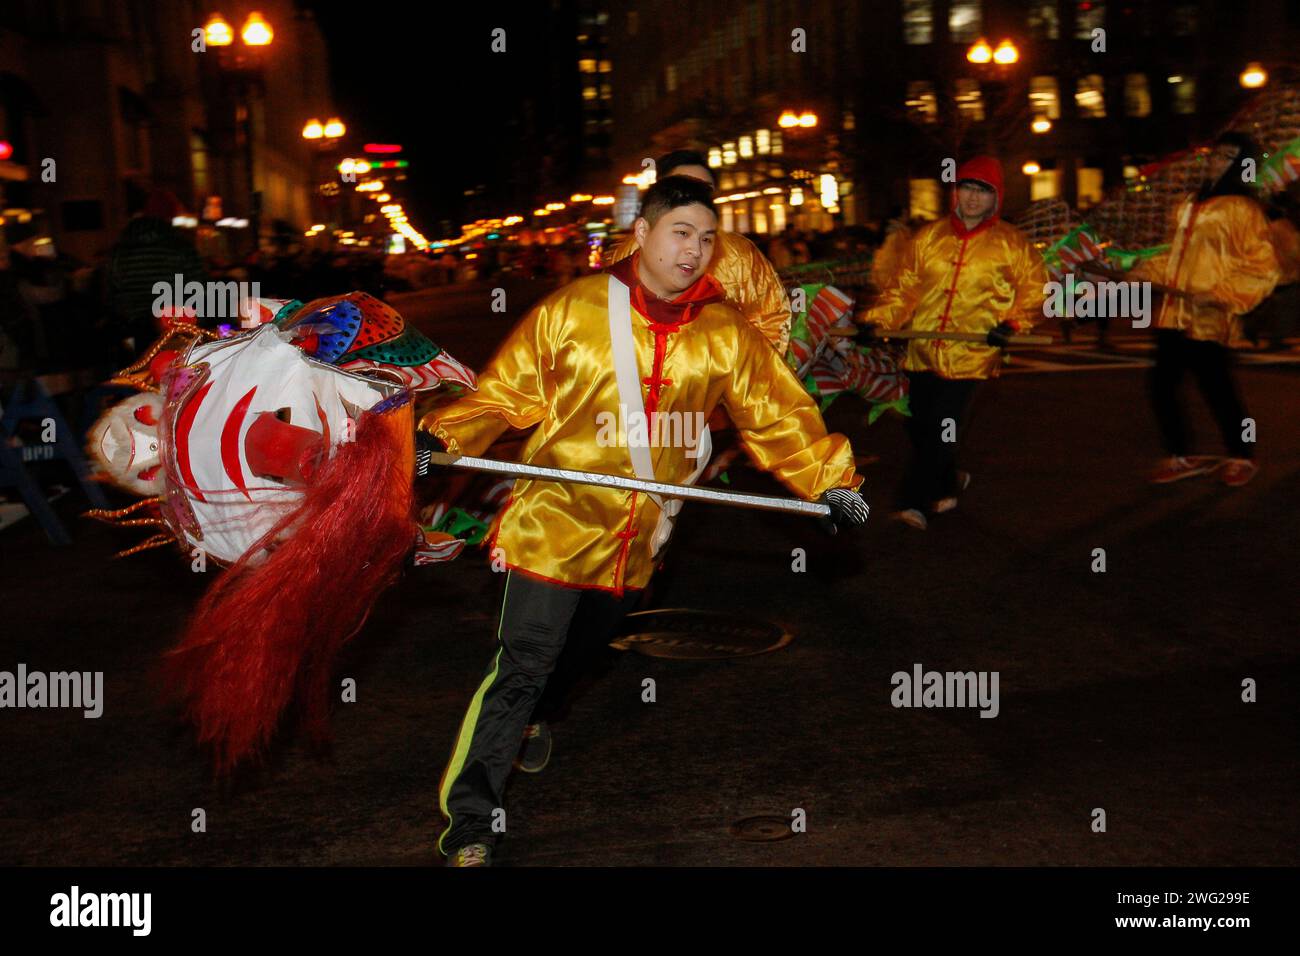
(1119, 691)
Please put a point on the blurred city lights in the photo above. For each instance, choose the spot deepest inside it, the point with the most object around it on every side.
(256, 32)
(313, 130)
(218, 32)
(1254, 76)
(980, 52)
(1006, 53)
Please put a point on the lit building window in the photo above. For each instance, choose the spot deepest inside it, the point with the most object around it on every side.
(1043, 21)
(1137, 95)
(778, 144)
(1089, 97)
(1045, 97)
(606, 91)
(966, 94)
(588, 92)
(1089, 186)
(763, 141)
(925, 198)
(1183, 94)
(729, 154)
(715, 157)
(778, 217)
(921, 102)
(1045, 184)
(850, 122)
(918, 21)
(746, 147)
(964, 20)
(1089, 15)
(586, 66)
(606, 66)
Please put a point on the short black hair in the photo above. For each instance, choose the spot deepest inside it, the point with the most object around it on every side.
(672, 193)
(680, 157)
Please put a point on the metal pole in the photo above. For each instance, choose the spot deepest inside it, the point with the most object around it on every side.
(623, 483)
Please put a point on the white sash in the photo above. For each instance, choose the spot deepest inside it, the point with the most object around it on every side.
(629, 397)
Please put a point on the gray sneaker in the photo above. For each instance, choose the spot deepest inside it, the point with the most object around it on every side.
(471, 854)
(535, 753)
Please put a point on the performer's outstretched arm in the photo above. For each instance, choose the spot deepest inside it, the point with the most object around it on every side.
(893, 309)
(511, 390)
(779, 424)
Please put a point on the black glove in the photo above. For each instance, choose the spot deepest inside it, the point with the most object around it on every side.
(425, 446)
(1000, 335)
(867, 334)
(847, 508)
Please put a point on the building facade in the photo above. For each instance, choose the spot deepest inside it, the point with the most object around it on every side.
(104, 100)
(875, 95)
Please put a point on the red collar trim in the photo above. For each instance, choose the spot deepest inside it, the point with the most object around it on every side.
(959, 227)
(682, 309)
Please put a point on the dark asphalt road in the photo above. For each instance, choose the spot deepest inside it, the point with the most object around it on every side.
(1119, 690)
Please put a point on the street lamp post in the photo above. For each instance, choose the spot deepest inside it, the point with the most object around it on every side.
(242, 64)
(324, 138)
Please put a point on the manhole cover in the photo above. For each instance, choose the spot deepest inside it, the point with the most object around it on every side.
(762, 829)
(698, 635)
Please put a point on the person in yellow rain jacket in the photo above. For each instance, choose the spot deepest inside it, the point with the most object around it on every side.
(969, 272)
(748, 280)
(576, 554)
(1222, 264)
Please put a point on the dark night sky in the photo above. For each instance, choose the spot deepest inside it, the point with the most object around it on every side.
(424, 75)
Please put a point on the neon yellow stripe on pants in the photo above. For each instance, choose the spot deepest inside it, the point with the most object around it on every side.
(467, 727)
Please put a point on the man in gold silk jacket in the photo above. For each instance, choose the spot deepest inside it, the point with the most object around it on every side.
(1222, 263)
(577, 554)
(968, 272)
(748, 280)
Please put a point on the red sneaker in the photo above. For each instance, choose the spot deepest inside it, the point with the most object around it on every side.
(1178, 468)
(1238, 471)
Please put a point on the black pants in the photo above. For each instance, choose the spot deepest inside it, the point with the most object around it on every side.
(1211, 363)
(537, 619)
(932, 472)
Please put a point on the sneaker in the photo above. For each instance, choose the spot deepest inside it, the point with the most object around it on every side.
(944, 505)
(471, 854)
(535, 753)
(1238, 471)
(913, 518)
(1178, 468)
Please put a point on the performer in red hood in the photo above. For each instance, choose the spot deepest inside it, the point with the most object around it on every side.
(967, 272)
(649, 342)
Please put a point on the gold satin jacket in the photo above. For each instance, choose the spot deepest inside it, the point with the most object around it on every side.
(965, 281)
(1221, 249)
(556, 371)
(887, 259)
(1286, 243)
(748, 279)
